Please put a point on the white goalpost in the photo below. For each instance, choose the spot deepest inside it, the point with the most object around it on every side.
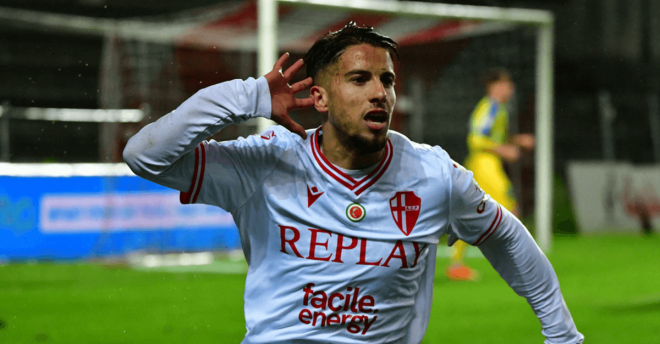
(543, 22)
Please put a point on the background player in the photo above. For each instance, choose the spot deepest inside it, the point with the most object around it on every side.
(339, 224)
(488, 144)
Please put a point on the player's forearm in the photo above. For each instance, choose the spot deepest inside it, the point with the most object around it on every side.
(517, 258)
(159, 145)
(498, 150)
(525, 141)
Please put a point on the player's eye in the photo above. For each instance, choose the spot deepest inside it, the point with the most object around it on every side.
(359, 80)
(387, 80)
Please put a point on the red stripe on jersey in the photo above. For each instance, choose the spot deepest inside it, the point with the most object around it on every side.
(185, 197)
(496, 226)
(493, 226)
(318, 160)
(329, 164)
(202, 168)
(388, 157)
(344, 179)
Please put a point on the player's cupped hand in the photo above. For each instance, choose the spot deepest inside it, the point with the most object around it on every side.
(282, 94)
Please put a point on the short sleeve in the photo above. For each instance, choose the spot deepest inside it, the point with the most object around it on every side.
(484, 118)
(227, 173)
(474, 216)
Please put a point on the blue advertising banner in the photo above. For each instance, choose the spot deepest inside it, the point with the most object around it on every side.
(82, 217)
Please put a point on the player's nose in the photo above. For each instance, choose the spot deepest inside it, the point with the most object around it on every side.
(378, 94)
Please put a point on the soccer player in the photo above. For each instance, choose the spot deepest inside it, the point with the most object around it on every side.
(339, 224)
(489, 144)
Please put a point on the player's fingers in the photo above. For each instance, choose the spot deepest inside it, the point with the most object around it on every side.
(280, 62)
(294, 127)
(305, 102)
(299, 130)
(301, 85)
(293, 69)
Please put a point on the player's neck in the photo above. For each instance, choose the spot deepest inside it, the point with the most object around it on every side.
(497, 97)
(346, 156)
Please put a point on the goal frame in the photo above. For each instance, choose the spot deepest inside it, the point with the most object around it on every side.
(543, 21)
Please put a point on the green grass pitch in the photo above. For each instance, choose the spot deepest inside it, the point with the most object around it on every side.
(611, 284)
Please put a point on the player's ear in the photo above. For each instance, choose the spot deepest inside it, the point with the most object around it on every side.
(320, 97)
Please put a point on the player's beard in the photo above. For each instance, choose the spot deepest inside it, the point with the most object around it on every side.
(366, 146)
(355, 140)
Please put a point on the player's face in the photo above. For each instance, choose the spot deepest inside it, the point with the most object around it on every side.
(361, 97)
(506, 89)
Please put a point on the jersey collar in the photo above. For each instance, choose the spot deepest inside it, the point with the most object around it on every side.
(357, 186)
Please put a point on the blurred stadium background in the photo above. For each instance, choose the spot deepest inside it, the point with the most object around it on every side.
(91, 253)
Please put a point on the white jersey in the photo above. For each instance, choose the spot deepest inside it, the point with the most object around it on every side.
(335, 256)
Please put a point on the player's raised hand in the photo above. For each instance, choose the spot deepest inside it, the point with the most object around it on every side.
(282, 94)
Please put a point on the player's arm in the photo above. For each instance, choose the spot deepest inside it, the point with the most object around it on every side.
(510, 153)
(479, 142)
(163, 151)
(510, 249)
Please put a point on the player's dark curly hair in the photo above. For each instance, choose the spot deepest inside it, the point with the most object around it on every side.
(327, 49)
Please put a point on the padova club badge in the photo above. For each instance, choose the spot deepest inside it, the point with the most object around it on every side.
(405, 207)
(355, 212)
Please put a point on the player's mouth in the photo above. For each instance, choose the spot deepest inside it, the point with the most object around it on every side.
(376, 119)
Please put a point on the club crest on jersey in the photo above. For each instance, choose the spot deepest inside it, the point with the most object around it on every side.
(405, 206)
(355, 212)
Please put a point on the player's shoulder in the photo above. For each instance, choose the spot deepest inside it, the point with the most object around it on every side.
(274, 139)
(409, 149)
(275, 135)
(483, 107)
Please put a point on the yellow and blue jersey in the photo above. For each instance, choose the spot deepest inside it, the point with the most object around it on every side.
(489, 126)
